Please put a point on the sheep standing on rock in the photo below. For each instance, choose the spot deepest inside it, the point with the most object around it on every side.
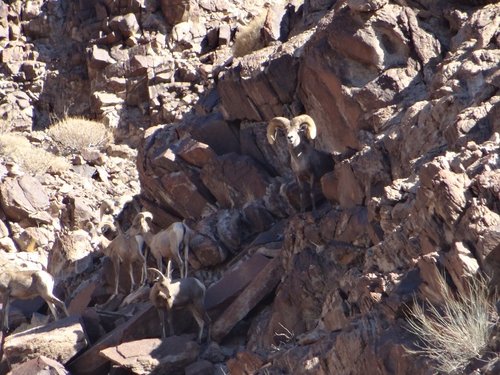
(307, 163)
(167, 294)
(125, 250)
(27, 284)
(169, 244)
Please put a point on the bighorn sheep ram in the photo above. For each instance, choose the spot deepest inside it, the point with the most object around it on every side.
(167, 294)
(169, 243)
(26, 284)
(126, 249)
(307, 163)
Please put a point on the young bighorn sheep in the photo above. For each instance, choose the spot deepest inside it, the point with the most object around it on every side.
(169, 244)
(307, 163)
(126, 249)
(167, 294)
(26, 284)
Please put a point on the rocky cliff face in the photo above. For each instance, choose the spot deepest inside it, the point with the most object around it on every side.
(405, 96)
(406, 99)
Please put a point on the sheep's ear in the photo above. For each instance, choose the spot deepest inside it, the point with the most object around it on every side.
(304, 128)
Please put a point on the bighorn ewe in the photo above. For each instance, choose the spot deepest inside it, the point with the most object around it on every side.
(169, 243)
(189, 293)
(126, 249)
(97, 239)
(26, 284)
(107, 218)
(307, 163)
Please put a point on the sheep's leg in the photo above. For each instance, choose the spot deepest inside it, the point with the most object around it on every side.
(199, 317)
(147, 252)
(311, 192)
(116, 267)
(53, 310)
(131, 274)
(186, 259)
(290, 208)
(179, 261)
(143, 272)
(5, 311)
(169, 320)
(54, 301)
(301, 196)
(163, 323)
(169, 269)
(159, 264)
(140, 249)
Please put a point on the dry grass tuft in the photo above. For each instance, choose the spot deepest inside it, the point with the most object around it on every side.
(74, 134)
(4, 126)
(32, 159)
(248, 38)
(458, 330)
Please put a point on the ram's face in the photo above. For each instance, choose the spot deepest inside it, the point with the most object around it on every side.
(293, 136)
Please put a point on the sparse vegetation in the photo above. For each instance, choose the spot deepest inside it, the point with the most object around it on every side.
(74, 134)
(458, 330)
(284, 337)
(4, 126)
(32, 159)
(248, 38)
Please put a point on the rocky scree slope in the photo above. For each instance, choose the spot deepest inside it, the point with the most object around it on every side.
(405, 96)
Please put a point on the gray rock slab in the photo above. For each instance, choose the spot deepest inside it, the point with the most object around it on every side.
(154, 356)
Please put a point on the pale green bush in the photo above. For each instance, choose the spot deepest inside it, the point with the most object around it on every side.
(74, 134)
(456, 331)
(32, 159)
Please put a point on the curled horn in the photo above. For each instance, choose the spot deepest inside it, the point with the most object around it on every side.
(142, 216)
(306, 120)
(157, 271)
(277, 122)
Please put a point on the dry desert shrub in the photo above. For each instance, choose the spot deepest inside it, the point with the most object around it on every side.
(18, 149)
(4, 126)
(458, 330)
(248, 38)
(74, 134)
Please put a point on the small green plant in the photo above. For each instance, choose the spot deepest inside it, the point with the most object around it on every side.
(248, 38)
(32, 159)
(456, 331)
(74, 134)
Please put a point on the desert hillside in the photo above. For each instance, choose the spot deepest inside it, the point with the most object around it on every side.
(327, 173)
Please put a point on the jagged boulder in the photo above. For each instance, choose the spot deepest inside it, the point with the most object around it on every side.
(234, 180)
(59, 340)
(71, 254)
(154, 356)
(24, 198)
(39, 365)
